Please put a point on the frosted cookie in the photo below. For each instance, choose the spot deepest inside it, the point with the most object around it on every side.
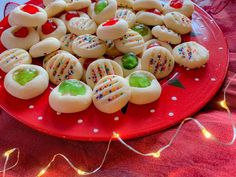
(26, 81)
(178, 22)
(158, 61)
(147, 4)
(88, 46)
(27, 15)
(67, 41)
(54, 27)
(191, 55)
(19, 37)
(144, 87)
(185, 7)
(82, 25)
(85, 62)
(129, 63)
(151, 17)
(166, 35)
(125, 3)
(70, 96)
(143, 30)
(55, 8)
(67, 16)
(63, 66)
(111, 94)
(12, 58)
(49, 56)
(154, 43)
(100, 68)
(112, 51)
(112, 29)
(77, 4)
(132, 41)
(44, 47)
(126, 14)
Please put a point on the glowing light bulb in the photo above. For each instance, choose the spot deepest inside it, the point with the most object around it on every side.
(206, 133)
(9, 152)
(224, 105)
(80, 172)
(156, 154)
(116, 135)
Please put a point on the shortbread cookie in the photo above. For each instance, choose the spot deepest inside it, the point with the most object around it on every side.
(88, 46)
(147, 4)
(125, 3)
(112, 29)
(143, 30)
(126, 14)
(158, 61)
(14, 57)
(151, 17)
(185, 7)
(154, 43)
(178, 22)
(63, 66)
(111, 94)
(129, 63)
(44, 47)
(77, 4)
(144, 87)
(27, 15)
(191, 55)
(85, 62)
(26, 81)
(82, 25)
(100, 68)
(67, 41)
(19, 37)
(166, 35)
(55, 8)
(54, 27)
(67, 16)
(70, 96)
(49, 56)
(132, 41)
(112, 51)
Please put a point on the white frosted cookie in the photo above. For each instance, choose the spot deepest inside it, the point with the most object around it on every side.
(67, 16)
(130, 42)
(185, 7)
(67, 41)
(147, 4)
(166, 35)
(14, 57)
(126, 14)
(129, 63)
(112, 29)
(27, 15)
(125, 3)
(63, 66)
(82, 25)
(111, 94)
(55, 8)
(77, 4)
(19, 37)
(88, 46)
(178, 22)
(26, 81)
(44, 47)
(49, 56)
(191, 55)
(150, 17)
(158, 61)
(70, 96)
(112, 51)
(144, 87)
(85, 62)
(54, 27)
(100, 68)
(143, 30)
(154, 43)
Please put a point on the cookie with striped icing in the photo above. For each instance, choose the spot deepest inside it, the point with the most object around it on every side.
(77, 4)
(67, 41)
(151, 17)
(126, 14)
(125, 3)
(143, 30)
(147, 4)
(49, 56)
(54, 8)
(154, 43)
(68, 15)
(111, 94)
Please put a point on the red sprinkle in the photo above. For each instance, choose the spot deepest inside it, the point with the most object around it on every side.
(177, 4)
(22, 32)
(72, 14)
(155, 11)
(87, 62)
(155, 44)
(111, 22)
(49, 27)
(30, 9)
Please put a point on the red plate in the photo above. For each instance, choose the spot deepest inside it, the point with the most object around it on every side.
(184, 93)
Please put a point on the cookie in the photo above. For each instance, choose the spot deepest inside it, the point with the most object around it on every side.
(144, 87)
(111, 94)
(47, 2)
(67, 41)
(143, 30)
(14, 57)
(55, 8)
(26, 81)
(126, 14)
(85, 62)
(191, 55)
(158, 61)
(112, 51)
(154, 43)
(151, 17)
(77, 4)
(49, 56)
(147, 4)
(70, 96)
(125, 3)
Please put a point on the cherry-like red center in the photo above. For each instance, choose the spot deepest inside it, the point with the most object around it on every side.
(155, 44)
(87, 62)
(111, 22)
(70, 15)
(30, 9)
(155, 11)
(176, 4)
(21, 32)
(49, 27)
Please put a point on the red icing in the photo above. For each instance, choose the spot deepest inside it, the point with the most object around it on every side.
(155, 44)
(72, 14)
(30, 9)
(21, 32)
(85, 10)
(49, 27)
(110, 22)
(155, 11)
(176, 3)
(87, 62)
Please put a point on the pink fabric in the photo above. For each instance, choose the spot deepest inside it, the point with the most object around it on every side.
(190, 156)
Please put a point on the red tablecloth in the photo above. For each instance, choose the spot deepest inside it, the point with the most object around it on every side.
(191, 154)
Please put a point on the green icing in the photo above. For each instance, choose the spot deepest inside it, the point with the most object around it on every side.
(23, 76)
(100, 6)
(141, 29)
(129, 61)
(139, 80)
(72, 87)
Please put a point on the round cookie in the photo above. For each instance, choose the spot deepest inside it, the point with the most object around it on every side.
(67, 41)
(19, 37)
(112, 51)
(158, 61)
(82, 25)
(143, 30)
(125, 3)
(166, 35)
(147, 4)
(178, 22)
(85, 62)
(126, 14)
(44, 47)
(144, 87)
(191, 55)
(49, 56)
(27, 15)
(100, 68)
(14, 57)
(88, 46)
(67, 16)
(111, 94)
(55, 8)
(112, 29)
(77, 4)
(70, 96)
(130, 42)
(54, 27)
(151, 17)
(26, 81)
(154, 43)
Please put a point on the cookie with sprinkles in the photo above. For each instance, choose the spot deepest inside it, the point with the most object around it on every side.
(49, 56)
(77, 4)
(150, 17)
(147, 4)
(125, 3)
(111, 94)
(67, 16)
(191, 55)
(54, 8)
(85, 62)
(67, 41)
(126, 14)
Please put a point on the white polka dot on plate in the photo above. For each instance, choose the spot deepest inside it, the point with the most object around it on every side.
(95, 130)
(196, 79)
(31, 106)
(187, 69)
(205, 38)
(174, 98)
(220, 48)
(80, 121)
(171, 114)
(116, 118)
(58, 113)
(0, 77)
(1, 27)
(152, 110)
(40, 118)
(213, 79)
